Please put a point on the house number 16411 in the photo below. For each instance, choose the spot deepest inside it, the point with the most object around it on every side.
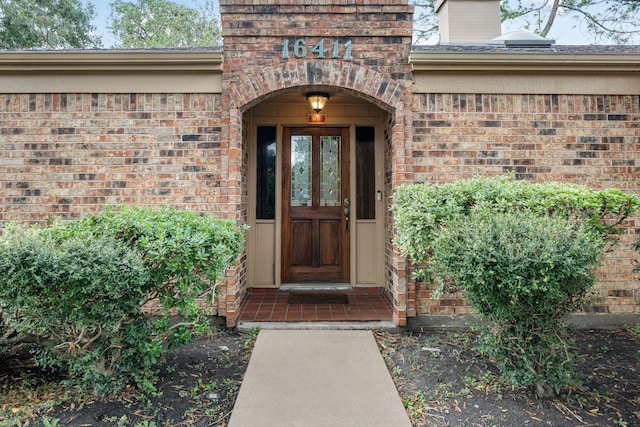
(333, 50)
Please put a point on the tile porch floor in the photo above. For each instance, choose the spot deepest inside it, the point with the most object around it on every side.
(271, 305)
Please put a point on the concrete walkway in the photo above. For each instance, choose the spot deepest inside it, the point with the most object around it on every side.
(317, 378)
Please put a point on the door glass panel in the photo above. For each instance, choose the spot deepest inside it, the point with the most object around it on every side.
(301, 161)
(330, 171)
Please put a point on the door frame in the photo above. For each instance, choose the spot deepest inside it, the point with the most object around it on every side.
(264, 235)
(343, 274)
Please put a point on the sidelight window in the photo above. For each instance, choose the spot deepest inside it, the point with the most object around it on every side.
(365, 172)
(266, 173)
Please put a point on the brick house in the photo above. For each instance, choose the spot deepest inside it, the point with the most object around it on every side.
(230, 132)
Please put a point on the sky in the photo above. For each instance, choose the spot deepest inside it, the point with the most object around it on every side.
(563, 31)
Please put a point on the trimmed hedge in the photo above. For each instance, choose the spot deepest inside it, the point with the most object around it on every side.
(524, 256)
(421, 211)
(77, 289)
(524, 274)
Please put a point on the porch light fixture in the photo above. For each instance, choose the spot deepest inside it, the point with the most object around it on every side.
(317, 100)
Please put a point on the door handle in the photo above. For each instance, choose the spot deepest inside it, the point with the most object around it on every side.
(347, 212)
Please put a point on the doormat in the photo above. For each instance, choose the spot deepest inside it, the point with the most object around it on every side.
(317, 298)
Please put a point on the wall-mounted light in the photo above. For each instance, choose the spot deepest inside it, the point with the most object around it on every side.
(317, 100)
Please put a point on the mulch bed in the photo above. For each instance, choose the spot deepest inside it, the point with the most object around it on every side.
(442, 380)
(198, 387)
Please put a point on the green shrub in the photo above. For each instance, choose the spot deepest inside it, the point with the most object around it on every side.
(186, 254)
(422, 210)
(78, 289)
(524, 274)
(490, 238)
(80, 300)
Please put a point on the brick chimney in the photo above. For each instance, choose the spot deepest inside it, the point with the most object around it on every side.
(468, 21)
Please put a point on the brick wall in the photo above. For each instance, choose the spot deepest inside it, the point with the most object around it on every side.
(236, 284)
(68, 154)
(591, 140)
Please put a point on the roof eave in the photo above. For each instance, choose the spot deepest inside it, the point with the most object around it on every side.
(111, 61)
(524, 61)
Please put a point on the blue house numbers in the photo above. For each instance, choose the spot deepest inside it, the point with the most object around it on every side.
(323, 49)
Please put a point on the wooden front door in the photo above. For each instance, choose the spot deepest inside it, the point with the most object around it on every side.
(315, 205)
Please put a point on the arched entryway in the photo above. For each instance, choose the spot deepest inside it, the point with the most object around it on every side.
(275, 49)
(316, 206)
(369, 127)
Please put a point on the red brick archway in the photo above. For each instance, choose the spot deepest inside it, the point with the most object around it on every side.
(254, 69)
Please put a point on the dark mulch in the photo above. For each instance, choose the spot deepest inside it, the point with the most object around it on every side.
(443, 381)
(198, 386)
